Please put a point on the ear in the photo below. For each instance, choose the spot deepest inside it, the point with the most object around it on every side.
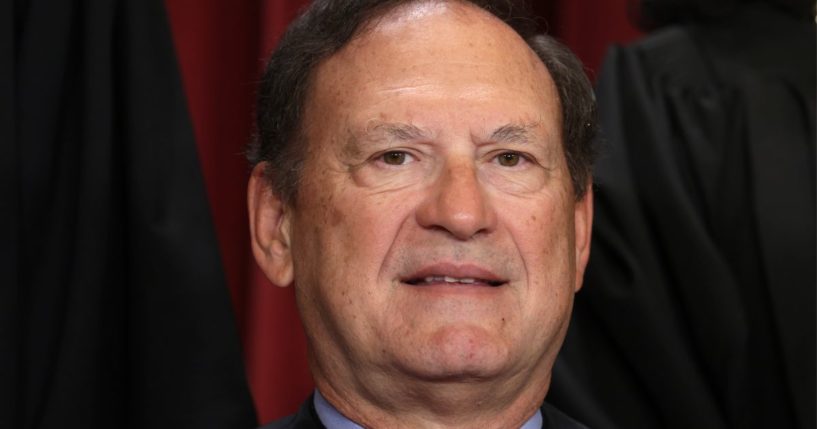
(583, 221)
(269, 229)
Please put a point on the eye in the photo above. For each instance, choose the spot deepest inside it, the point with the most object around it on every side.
(508, 159)
(395, 157)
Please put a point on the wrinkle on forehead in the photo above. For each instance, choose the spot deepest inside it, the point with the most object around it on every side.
(466, 37)
(430, 51)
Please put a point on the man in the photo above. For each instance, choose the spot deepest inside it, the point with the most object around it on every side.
(422, 174)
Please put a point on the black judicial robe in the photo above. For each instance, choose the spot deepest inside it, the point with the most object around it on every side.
(114, 310)
(698, 309)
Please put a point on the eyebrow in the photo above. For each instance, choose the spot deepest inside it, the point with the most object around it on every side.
(513, 133)
(380, 132)
(398, 131)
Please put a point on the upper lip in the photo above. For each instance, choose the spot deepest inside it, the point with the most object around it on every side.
(458, 271)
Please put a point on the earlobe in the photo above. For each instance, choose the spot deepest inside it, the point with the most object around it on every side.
(269, 229)
(583, 220)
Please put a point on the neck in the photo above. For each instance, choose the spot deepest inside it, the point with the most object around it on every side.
(381, 402)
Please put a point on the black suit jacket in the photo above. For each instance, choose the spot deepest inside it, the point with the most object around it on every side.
(307, 418)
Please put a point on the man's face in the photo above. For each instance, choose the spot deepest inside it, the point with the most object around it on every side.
(436, 235)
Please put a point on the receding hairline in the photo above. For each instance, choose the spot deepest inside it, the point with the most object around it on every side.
(469, 13)
(280, 135)
(402, 11)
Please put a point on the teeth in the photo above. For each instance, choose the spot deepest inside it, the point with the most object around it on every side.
(447, 279)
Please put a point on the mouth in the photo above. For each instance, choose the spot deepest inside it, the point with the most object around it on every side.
(454, 275)
(435, 280)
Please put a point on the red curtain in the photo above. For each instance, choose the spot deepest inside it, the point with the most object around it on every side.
(221, 47)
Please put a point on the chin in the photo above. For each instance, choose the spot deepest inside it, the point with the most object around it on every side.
(459, 353)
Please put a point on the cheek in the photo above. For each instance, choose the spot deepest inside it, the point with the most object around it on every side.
(541, 222)
(366, 226)
(344, 237)
(543, 231)
(345, 234)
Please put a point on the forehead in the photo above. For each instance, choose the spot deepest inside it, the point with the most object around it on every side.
(432, 51)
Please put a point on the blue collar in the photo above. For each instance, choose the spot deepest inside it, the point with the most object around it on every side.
(333, 419)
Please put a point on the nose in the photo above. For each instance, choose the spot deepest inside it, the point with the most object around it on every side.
(457, 203)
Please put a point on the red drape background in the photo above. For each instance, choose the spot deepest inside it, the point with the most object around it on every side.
(221, 48)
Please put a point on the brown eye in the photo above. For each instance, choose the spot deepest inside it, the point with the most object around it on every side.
(394, 158)
(508, 159)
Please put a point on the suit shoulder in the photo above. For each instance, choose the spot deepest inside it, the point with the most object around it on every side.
(555, 419)
(305, 418)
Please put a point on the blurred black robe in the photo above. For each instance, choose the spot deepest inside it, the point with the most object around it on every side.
(698, 309)
(114, 310)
